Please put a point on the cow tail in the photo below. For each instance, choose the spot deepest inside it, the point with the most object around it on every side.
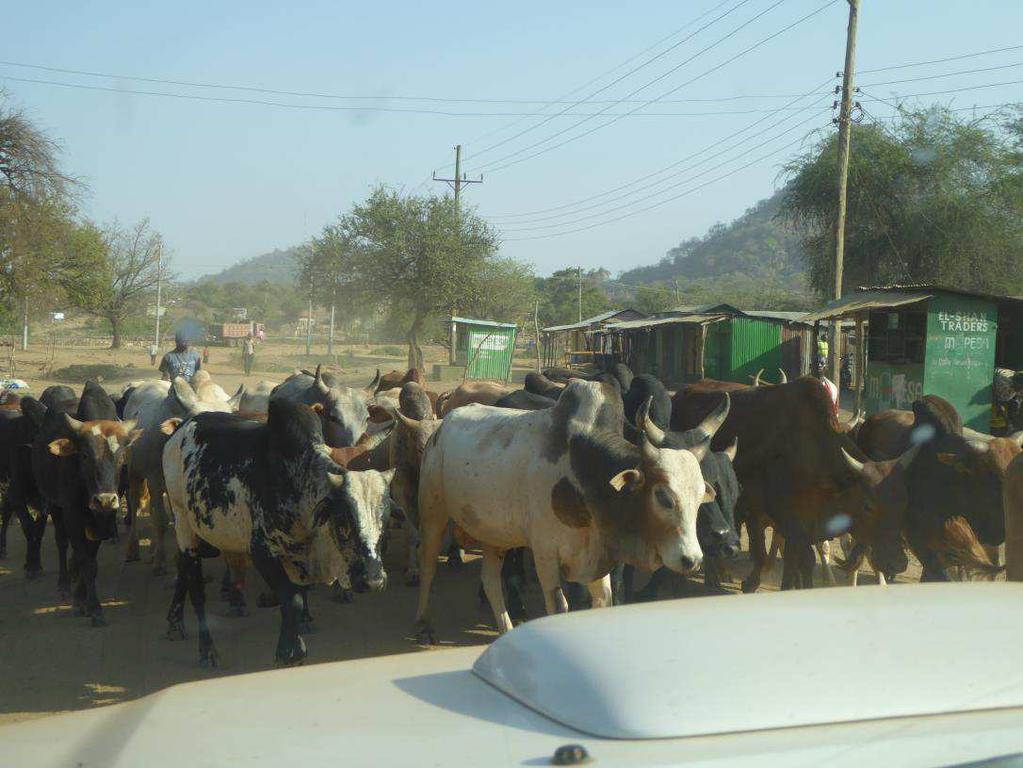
(960, 547)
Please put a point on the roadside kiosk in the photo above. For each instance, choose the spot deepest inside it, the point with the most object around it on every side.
(933, 340)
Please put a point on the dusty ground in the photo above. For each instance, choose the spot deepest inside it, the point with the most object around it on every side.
(52, 661)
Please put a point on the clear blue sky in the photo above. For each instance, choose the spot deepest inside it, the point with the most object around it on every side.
(224, 182)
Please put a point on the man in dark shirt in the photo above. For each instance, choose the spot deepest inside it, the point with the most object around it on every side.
(181, 361)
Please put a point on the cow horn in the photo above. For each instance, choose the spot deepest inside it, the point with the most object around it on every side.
(649, 450)
(236, 399)
(72, 423)
(853, 464)
(371, 388)
(979, 446)
(336, 479)
(710, 425)
(407, 421)
(1017, 438)
(756, 379)
(318, 381)
(646, 424)
(732, 449)
(782, 378)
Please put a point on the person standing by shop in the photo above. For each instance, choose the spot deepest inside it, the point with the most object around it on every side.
(249, 353)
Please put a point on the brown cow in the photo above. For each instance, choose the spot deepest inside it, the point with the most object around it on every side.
(482, 392)
(397, 379)
(1013, 490)
(791, 468)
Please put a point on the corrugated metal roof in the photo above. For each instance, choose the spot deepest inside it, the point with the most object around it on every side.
(602, 317)
(932, 288)
(770, 314)
(488, 323)
(865, 301)
(652, 322)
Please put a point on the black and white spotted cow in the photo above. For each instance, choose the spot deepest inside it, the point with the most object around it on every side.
(270, 490)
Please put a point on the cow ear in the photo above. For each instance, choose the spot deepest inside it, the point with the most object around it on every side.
(732, 449)
(632, 478)
(336, 479)
(388, 475)
(709, 494)
(170, 426)
(62, 446)
(134, 435)
(317, 408)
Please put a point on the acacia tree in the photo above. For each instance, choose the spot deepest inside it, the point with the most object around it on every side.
(416, 256)
(932, 199)
(130, 269)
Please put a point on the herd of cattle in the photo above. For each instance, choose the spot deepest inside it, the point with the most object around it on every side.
(594, 475)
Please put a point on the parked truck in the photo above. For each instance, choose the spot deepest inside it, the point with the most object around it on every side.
(232, 334)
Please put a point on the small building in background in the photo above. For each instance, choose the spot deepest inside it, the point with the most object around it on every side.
(480, 349)
(572, 344)
(716, 341)
(932, 340)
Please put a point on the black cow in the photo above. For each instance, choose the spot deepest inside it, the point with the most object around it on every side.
(76, 463)
(525, 401)
(645, 388)
(271, 491)
(538, 384)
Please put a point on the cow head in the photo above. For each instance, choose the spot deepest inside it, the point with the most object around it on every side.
(699, 437)
(99, 448)
(357, 509)
(345, 414)
(715, 523)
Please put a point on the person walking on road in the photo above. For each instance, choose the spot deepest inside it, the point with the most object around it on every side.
(248, 353)
(181, 361)
(153, 351)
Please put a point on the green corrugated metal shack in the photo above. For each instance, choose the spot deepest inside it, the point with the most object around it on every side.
(714, 341)
(485, 348)
(933, 340)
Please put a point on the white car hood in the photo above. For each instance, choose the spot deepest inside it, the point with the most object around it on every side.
(432, 709)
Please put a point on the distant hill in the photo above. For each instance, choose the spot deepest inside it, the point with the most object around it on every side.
(278, 266)
(754, 245)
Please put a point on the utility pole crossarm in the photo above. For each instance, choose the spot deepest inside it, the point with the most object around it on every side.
(460, 178)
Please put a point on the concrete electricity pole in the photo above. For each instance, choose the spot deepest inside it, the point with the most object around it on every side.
(844, 138)
(159, 287)
(460, 179)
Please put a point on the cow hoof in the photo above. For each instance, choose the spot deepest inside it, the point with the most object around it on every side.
(175, 630)
(412, 579)
(3, 552)
(238, 611)
(159, 569)
(267, 600)
(132, 556)
(291, 656)
(33, 573)
(341, 595)
(98, 620)
(748, 587)
(209, 658)
(423, 633)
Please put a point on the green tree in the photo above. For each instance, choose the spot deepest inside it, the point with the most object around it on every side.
(129, 269)
(931, 200)
(653, 298)
(415, 256)
(559, 296)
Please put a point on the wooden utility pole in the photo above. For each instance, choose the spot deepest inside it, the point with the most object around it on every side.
(536, 327)
(844, 138)
(460, 179)
(24, 325)
(309, 328)
(580, 294)
(330, 337)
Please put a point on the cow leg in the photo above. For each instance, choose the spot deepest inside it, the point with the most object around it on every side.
(617, 577)
(305, 617)
(135, 489)
(290, 646)
(777, 545)
(61, 538)
(6, 512)
(197, 596)
(233, 584)
(33, 528)
(824, 550)
(158, 521)
(88, 569)
(412, 569)
(431, 531)
(548, 573)
(600, 592)
(757, 550)
(513, 575)
(176, 612)
(628, 578)
(493, 560)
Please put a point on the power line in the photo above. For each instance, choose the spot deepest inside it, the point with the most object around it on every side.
(949, 74)
(668, 200)
(660, 192)
(757, 135)
(668, 167)
(616, 118)
(644, 86)
(951, 90)
(616, 81)
(324, 107)
(941, 61)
